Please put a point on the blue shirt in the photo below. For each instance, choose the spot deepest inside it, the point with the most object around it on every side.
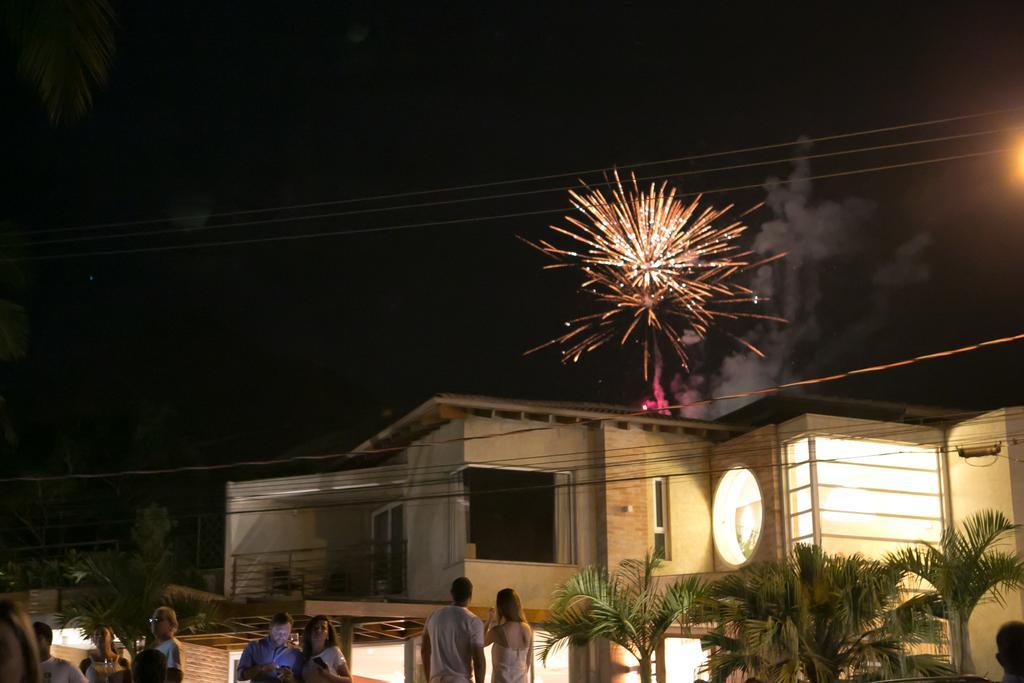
(263, 651)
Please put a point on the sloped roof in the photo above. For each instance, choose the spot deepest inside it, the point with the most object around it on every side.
(786, 405)
(429, 415)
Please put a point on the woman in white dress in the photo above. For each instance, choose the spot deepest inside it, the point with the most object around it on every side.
(512, 638)
(325, 662)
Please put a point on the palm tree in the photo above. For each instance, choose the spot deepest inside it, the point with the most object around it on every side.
(628, 607)
(125, 587)
(965, 569)
(63, 47)
(818, 617)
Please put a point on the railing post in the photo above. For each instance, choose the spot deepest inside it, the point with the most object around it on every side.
(291, 569)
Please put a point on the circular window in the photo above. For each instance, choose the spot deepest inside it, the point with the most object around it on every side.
(736, 515)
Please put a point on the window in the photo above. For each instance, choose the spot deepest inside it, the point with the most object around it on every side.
(388, 566)
(514, 515)
(660, 518)
(736, 516)
(857, 495)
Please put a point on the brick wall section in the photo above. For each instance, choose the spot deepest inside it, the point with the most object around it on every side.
(628, 535)
(204, 664)
(756, 450)
(69, 654)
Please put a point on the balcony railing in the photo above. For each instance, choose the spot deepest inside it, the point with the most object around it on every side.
(371, 569)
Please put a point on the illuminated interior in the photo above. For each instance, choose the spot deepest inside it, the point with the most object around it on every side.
(684, 659)
(380, 662)
(854, 495)
(736, 516)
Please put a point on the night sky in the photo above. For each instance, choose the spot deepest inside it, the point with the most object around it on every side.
(224, 106)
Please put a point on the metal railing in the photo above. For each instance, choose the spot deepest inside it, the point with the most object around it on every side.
(369, 569)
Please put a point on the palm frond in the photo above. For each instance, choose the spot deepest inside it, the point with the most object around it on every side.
(817, 617)
(63, 48)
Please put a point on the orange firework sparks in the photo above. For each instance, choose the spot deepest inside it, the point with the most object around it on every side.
(657, 266)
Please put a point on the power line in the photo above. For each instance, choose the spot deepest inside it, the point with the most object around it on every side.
(568, 174)
(670, 458)
(571, 485)
(524, 193)
(455, 221)
(679, 406)
(569, 461)
(641, 413)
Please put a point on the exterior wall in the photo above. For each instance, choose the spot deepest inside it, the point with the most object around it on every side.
(999, 485)
(429, 568)
(830, 425)
(205, 664)
(636, 456)
(571, 447)
(757, 451)
(262, 517)
(533, 581)
(73, 655)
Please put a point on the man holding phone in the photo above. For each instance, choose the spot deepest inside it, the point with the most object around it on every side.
(272, 658)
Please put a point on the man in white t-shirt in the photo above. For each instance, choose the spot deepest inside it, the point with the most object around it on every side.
(164, 624)
(52, 669)
(453, 640)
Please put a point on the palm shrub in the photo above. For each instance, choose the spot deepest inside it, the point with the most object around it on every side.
(628, 607)
(818, 617)
(125, 587)
(965, 569)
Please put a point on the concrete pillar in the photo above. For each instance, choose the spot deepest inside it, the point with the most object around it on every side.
(345, 633)
(411, 647)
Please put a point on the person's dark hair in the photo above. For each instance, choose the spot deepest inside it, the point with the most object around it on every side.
(307, 635)
(462, 589)
(509, 606)
(281, 618)
(43, 632)
(1010, 647)
(150, 666)
(15, 619)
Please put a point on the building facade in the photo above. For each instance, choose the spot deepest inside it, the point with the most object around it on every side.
(524, 493)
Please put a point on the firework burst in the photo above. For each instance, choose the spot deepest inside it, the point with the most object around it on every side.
(657, 267)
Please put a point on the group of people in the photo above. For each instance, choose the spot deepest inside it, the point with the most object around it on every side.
(25, 653)
(452, 649)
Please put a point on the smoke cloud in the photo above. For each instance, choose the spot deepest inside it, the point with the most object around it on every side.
(821, 238)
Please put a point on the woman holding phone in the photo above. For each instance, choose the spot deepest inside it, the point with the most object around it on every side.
(325, 662)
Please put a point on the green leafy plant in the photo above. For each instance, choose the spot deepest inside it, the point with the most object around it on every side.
(31, 573)
(628, 607)
(965, 569)
(127, 586)
(818, 617)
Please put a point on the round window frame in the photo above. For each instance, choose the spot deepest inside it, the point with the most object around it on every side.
(730, 549)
